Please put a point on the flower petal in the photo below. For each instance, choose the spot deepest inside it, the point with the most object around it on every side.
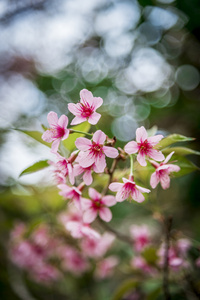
(155, 154)
(89, 215)
(110, 151)
(141, 134)
(142, 189)
(52, 118)
(173, 168)
(74, 108)
(154, 180)
(131, 147)
(86, 159)
(105, 214)
(63, 121)
(47, 136)
(165, 181)
(86, 97)
(78, 120)
(109, 200)
(83, 144)
(153, 140)
(94, 195)
(168, 157)
(99, 137)
(87, 177)
(100, 163)
(94, 118)
(115, 186)
(122, 194)
(55, 145)
(141, 159)
(86, 203)
(137, 196)
(97, 102)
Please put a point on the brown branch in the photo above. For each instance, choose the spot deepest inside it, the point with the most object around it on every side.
(119, 235)
(167, 230)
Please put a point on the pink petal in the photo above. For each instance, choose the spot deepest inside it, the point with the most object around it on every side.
(110, 151)
(131, 147)
(97, 102)
(86, 203)
(78, 120)
(47, 136)
(153, 140)
(115, 186)
(122, 194)
(71, 174)
(87, 177)
(52, 118)
(74, 109)
(99, 137)
(173, 168)
(63, 121)
(86, 97)
(165, 181)
(83, 144)
(105, 214)
(137, 196)
(141, 159)
(66, 134)
(168, 157)
(143, 190)
(154, 180)
(86, 159)
(141, 134)
(78, 170)
(94, 194)
(109, 200)
(100, 163)
(157, 155)
(55, 145)
(90, 215)
(94, 118)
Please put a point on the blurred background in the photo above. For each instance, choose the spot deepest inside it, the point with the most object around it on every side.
(142, 57)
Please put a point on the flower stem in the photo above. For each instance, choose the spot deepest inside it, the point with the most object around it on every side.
(82, 132)
(132, 164)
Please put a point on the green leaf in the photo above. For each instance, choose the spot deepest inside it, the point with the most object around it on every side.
(152, 131)
(185, 165)
(35, 167)
(125, 287)
(150, 255)
(69, 143)
(171, 139)
(182, 151)
(36, 135)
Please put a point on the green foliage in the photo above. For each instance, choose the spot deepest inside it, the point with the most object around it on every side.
(172, 139)
(126, 286)
(69, 143)
(150, 255)
(182, 151)
(35, 167)
(36, 135)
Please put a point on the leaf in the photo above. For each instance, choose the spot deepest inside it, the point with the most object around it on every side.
(152, 131)
(150, 255)
(69, 143)
(36, 135)
(171, 139)
(126, 286)
(35, 167)
(185, 165)
(180, 151)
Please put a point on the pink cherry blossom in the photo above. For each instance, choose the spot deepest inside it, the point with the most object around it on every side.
(93, 152)
(58, 130)
(138, 262)
(144, 146)
(175, 258)
(128, 188)
(78, 229)
(97, 247)
(105, 267)
(63, 168)
(86, 109)
(141, 236)
(162, 173)
(97, 205)
(72, 193)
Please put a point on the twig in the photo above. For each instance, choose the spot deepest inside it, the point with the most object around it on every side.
(119, 235)
(167, 230)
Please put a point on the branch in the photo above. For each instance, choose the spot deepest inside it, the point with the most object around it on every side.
(167, 229)
(119, 235)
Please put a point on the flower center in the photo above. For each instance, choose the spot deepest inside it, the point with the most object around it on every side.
(57, 132)
(96, 149)
(97, 203)
(86, 111)
(144, 147)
